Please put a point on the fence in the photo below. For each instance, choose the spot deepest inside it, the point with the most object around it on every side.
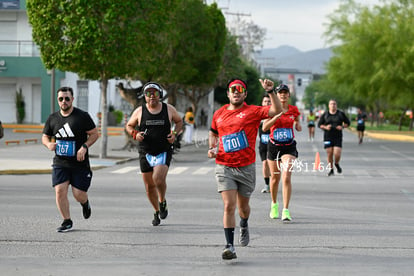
(19, 48)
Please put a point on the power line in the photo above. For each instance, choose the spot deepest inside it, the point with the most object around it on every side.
(293, 33)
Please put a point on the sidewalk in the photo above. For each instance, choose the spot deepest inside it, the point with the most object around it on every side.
(33, 158)
(386, 135)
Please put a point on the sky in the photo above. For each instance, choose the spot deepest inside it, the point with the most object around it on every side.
(298, 23)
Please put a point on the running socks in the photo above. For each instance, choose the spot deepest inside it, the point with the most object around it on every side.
(243, 222)
(229, 233)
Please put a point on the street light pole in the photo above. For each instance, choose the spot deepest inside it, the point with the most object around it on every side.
(52, 91)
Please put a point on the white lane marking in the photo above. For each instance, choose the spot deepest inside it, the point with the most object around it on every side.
(126, 170)
(177, 170)
(203, 170)
(397, 153)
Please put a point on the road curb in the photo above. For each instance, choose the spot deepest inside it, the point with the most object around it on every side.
(49, 171)
(385, 136)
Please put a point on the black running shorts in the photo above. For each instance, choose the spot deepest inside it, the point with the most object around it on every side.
(78, 177)
(146, 166)
(275, 152)
(333, 142)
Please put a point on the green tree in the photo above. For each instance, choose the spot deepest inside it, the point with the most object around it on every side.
(374, 61)
(231, 61)
(198, 50)
(251, 76)
(97, 39)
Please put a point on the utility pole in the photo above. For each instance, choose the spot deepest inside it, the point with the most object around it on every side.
(236, 30)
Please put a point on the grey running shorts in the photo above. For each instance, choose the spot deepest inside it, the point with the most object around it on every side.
(242, 179)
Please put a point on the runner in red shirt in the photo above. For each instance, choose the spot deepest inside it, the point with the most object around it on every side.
(234, 130)
(281, 151)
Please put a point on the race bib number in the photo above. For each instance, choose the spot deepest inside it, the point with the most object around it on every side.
(156, 160)
(283, 135)
(311, 123)
(235, 141)
(65, 148)
(360, 122)
(264, 139)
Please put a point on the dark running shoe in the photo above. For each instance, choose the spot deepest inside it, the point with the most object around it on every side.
(86, 209)
(66, 226)
(163, 209)
(156, 221)
(331, 172)
(244, 237)
(229, 253)
(338, 168)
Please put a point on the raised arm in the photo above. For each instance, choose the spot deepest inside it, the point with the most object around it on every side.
(276, 106)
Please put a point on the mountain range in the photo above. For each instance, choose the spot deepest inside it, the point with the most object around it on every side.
(289, 57)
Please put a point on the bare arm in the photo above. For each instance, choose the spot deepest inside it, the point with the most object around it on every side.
(93, 135)
(175, 117)
(268, 123)
(276, 106)
(46, 140)
(212, 143)
(298, 126)
(132, 124)
(177, 120)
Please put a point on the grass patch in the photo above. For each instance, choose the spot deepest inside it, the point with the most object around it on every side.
(385, 127)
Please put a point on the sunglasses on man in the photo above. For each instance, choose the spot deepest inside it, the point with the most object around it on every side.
(67, 99)
(237, 89)
(156, 93)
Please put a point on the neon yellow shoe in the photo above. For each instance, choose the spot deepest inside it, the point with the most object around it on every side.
(274, 210)
(286, 215)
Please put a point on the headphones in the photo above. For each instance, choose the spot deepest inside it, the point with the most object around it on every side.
(153, 85)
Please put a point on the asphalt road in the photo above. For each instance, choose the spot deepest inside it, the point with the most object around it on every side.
(357, 223)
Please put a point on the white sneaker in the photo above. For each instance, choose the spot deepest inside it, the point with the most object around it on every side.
(266, 189)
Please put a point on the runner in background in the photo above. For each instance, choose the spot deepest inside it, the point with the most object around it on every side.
(263, 141)
(311, 119)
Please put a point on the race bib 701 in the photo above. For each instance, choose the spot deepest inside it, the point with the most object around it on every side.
(235, 141)
(65, 148)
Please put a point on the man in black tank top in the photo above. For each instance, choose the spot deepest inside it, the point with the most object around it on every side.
(150, 125)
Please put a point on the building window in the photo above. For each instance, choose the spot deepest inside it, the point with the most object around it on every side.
(83, 95)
